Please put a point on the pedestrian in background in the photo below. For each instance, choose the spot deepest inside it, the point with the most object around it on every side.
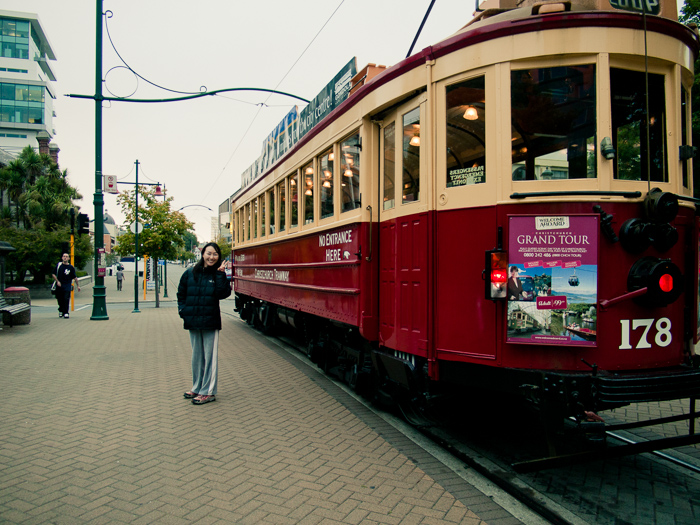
(120, 278)
(198, 294)
(64, 277)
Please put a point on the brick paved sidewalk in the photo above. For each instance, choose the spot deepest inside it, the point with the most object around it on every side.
(95, 430)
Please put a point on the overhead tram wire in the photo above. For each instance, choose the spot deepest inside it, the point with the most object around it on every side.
(264, 104)
(108, 15)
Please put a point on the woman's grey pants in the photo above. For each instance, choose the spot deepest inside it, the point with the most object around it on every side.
(205, 361)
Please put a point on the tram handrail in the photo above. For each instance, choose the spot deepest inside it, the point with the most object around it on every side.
(625, 194)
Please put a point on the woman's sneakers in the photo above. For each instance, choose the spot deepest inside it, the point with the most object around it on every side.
(200, 400)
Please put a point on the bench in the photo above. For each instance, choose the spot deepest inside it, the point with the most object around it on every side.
(12, 309)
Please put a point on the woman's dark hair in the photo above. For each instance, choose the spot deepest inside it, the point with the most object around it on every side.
(199, 267)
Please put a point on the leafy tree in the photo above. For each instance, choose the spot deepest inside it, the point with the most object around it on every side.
(187, 253)
(225, 247)
(163, 237)
(37, 222)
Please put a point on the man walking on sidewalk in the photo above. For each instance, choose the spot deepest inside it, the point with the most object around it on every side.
(64, 277)
(120, 278)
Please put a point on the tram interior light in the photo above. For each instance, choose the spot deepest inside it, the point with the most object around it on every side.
(471, 113)
(606, 148)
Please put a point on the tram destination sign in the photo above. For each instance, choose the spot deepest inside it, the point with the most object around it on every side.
(650, 7)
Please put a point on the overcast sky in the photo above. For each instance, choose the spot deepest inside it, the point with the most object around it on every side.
(199, 148)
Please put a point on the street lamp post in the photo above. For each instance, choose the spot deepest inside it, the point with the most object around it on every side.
(190, 205)
(136, 243)
(99, 292)
(136, 230)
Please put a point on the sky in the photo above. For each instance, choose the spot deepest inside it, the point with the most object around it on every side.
(198, 149)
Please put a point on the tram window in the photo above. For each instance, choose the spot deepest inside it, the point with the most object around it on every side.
(271, 200)
(247, 222)
(350, 172)
(466, 135)
(294, 204)
(263, 225)
(685, 116)
(389, 165)
(325, 172)
(308, 172)
(633, 160)
(410, 190)
(283, 202)
(553, 119)
(254, 217)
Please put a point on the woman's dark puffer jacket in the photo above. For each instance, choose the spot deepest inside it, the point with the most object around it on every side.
(198, 297)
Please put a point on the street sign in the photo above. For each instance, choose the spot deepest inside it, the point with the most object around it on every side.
(651, 7)
(110, 184)
(136, 227)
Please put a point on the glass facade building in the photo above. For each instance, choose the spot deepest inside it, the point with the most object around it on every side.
(26, 82)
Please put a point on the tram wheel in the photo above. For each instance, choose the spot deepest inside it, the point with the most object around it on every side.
(414, 408)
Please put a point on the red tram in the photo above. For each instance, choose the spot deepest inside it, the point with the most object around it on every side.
(509, 209)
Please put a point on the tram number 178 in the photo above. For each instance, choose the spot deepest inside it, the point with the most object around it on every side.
(661, 332)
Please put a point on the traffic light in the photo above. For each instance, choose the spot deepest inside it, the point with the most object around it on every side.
(83, 223)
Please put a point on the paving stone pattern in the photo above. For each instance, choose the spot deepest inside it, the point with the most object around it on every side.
(94, 429)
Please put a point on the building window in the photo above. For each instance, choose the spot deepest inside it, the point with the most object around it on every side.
(14, 38)
(466, 133)
(350, 172)
(21, 103)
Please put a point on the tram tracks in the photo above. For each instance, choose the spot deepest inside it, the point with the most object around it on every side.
(576, 494)
(521, 501)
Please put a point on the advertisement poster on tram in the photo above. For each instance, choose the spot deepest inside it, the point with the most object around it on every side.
(553, 280)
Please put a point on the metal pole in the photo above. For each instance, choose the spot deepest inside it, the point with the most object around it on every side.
(165, 280)
(72, 255)
(99, 292)
(155, 269)
(136, 245)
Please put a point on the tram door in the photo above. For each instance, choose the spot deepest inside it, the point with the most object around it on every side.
(403, 233)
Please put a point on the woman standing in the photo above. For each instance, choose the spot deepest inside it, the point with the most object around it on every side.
(198, 295)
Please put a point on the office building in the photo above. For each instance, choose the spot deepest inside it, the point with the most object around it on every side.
(26, 85)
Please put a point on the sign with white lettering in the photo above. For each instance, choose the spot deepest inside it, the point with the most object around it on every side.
(297, 123)
(553, 280)
(650, 7)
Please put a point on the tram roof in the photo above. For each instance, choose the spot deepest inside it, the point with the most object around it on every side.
(494, 24)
